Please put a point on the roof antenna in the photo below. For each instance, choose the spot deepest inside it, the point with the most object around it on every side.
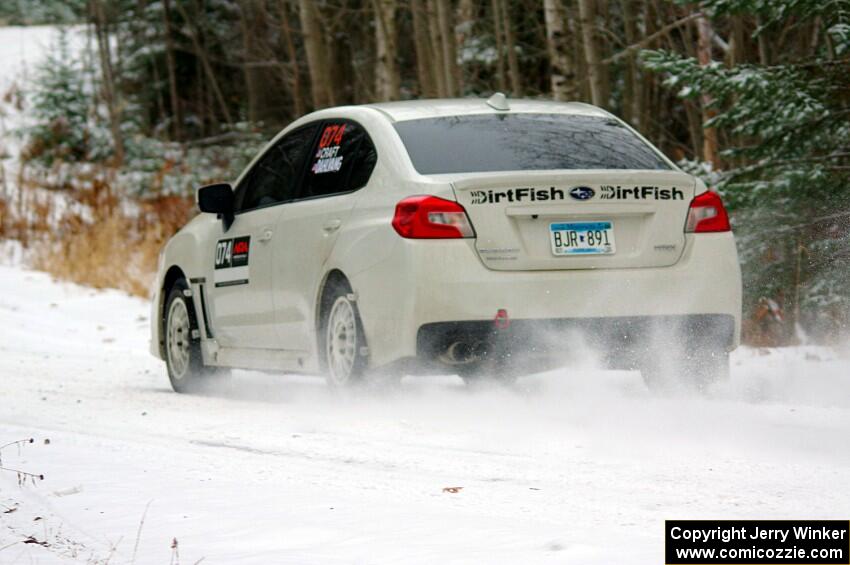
(498, 102)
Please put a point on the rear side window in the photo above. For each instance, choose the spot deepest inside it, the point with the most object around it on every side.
(523, 142)
(274, 179)
(342, 160)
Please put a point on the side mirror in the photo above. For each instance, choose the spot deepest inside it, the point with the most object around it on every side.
(217, 199)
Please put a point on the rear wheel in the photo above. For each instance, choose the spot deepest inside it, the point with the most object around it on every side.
(186, 369)
(344, 342)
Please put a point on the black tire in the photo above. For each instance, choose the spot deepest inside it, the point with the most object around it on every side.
(699, 371)
(186, 369)
(342, 340)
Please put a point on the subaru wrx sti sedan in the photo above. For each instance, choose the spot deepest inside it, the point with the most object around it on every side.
(474, 237)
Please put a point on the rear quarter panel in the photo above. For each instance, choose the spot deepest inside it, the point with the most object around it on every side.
(369, 252)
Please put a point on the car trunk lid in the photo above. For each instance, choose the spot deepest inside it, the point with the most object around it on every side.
(513, 215)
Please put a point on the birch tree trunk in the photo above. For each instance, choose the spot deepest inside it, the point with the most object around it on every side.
(633, 87)
(436, 41)
(108, 86)
(561, 74)
(317, 62)
(246, 13)
(172, 72)
(693, 109)
(709, 137)
(424, 62)
(292, 60)
(587, 14)
(501, 77)
(450, 68)
(466, 16)
(387, 80)
(510, 46)
(603, 18)
(737, 44)
(579, 61)
(648, 85)
(764, 48)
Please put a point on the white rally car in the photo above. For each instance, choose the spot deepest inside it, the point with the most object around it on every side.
(470, 237)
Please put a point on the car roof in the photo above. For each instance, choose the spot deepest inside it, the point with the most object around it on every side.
(435, 108)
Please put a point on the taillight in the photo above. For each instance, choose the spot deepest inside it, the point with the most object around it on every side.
(707, 214)
(429, 217)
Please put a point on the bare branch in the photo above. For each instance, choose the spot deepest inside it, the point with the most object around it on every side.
(650, 38)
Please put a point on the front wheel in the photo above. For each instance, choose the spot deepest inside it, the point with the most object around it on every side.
(186, 369)
(345, 345)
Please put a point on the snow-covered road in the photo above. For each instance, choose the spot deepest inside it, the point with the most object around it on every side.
(572, 466)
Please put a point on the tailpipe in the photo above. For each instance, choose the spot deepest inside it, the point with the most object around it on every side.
(464, 352)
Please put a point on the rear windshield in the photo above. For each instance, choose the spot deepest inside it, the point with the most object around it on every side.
(523, 142)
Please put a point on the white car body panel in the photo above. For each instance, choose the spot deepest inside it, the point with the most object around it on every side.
(403, 284)
(451, 292)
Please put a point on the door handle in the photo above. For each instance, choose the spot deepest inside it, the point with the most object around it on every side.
(332, 225)
(266, 236)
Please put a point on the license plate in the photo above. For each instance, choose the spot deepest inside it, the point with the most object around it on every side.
(582, 238)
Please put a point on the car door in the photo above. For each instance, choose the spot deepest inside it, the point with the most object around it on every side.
(243, 258)
(340, 163)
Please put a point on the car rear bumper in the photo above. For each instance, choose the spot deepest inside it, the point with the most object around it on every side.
(424, 282)
(622, 342)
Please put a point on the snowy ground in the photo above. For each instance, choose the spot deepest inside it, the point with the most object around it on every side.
(576, 466)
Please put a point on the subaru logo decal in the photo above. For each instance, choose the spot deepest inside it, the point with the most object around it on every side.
(582, 192)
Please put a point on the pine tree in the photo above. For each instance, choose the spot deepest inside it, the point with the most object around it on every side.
(38, 12)
(785, 121)
(66, 125)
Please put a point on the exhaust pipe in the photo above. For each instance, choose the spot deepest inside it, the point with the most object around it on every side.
(464, 352)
